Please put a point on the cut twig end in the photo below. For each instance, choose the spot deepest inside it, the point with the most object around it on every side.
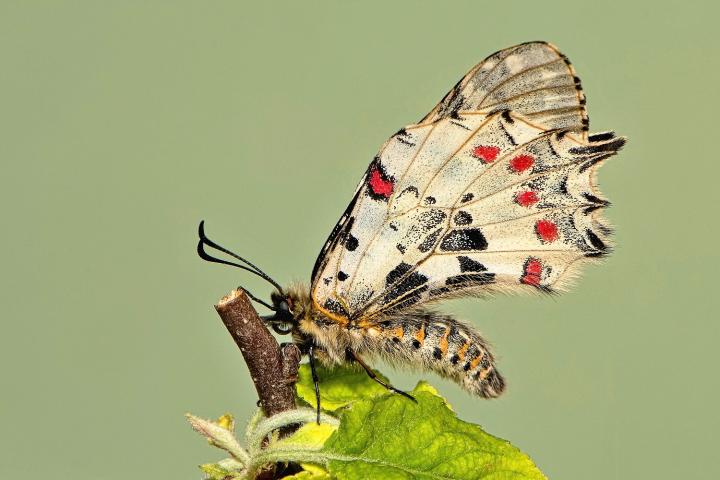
(230, 297)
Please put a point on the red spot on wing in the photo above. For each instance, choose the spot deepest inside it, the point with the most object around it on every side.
(546, 230)
(486, 153)
(527, 198)
(531, 272)
(521, 163)
(380, 186)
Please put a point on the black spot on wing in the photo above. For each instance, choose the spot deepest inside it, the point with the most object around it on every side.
(344, 235)
(467, 264)
(351, 243)
(397, 273)
(591, 208)
(562, 187)
(467, 197)
(506, 116)
(410, 189)
(430, 200)
(595, 241)
(593, 199)
(586, 124)
(431, 218)
(457, 124)
(410, 299)
(470, 279)
(550, 146)
(591, 162)
(336, 307)
(401, 283)
(610, 146)
(403, 136)
(601, 137)
(463, 218)
(470, 239)
(342, 276)
(429, 242)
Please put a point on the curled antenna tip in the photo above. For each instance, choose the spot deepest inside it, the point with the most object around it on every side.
(249, 266)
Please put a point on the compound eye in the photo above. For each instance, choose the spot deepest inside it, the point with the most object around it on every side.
(282, 328)
(283, 305)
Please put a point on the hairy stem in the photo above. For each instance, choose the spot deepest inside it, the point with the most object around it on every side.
(298, 416)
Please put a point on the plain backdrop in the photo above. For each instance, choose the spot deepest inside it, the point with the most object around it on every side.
(122, 124)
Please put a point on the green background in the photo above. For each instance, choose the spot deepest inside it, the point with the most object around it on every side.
(122, 124)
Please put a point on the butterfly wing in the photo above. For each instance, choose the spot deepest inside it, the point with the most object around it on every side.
(493, 191)
(533, 78)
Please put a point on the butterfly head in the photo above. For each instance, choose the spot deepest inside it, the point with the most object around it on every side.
(283, 320)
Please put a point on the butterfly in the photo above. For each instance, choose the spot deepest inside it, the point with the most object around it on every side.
(492, 191)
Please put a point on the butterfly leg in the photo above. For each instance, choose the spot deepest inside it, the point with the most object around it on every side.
(372, 375)
(315, 379)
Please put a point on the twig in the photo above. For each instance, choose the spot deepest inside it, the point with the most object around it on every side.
(273, 369)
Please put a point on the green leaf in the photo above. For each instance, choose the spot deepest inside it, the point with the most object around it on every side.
(339, 386)
(217, 471)
(310, 435)
(391, 437)
(214, 472)
(309, 475)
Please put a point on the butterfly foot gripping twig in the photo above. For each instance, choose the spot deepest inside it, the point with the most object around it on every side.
(291, 358)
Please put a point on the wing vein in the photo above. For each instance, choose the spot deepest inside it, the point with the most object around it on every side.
(527, 92)
(515, 75)
(450, 157)
(377, 232)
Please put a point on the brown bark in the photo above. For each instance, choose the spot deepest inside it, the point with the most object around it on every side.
(273, 369)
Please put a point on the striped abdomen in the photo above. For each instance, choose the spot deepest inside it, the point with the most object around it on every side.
(444, 345)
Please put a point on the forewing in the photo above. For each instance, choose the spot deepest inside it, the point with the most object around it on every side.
(532, 78)
(468, 202)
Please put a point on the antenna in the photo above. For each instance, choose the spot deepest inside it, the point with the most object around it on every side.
(252, 268)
